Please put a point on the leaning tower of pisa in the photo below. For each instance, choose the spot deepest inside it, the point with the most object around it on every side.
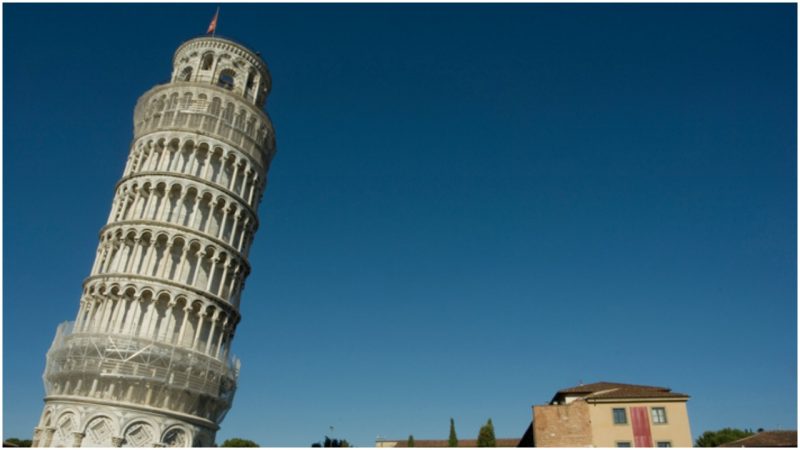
(146, 362)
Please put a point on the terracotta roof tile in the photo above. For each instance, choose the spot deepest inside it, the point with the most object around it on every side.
(606, 390)
(777, 438)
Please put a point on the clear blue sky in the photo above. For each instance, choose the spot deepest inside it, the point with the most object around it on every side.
(471, 207)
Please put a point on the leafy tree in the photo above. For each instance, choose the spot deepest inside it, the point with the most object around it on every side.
(723, 436)
(19, 442)
(239, 442)
(411, 440)
(486, 435)
(453, 440)
(329, 443)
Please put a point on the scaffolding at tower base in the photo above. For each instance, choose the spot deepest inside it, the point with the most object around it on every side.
(97, 365)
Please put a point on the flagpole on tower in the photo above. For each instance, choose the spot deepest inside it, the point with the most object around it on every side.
(212, 27)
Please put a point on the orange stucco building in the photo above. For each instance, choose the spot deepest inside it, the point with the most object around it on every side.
(613, 415)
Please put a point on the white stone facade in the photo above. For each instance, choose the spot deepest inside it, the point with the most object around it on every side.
(146, 362)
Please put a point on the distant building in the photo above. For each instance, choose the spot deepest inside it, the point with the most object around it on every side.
(777, 438)
(611, 415)
(386, 443)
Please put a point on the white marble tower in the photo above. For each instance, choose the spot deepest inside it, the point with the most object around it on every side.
(146, 362)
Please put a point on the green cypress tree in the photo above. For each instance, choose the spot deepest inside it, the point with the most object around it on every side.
(486, 435)
(453, 441)
(410, 440)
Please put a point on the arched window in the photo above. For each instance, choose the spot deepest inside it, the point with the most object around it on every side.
(239, 121)
(186, 101)
(227, 115)
(251, 126)
(226, 78)
(215, 107)
(208, 61)
(186, 74)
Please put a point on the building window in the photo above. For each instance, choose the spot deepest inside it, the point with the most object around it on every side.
(664, 444)
(625, 444)
(620, 418)
(659, 415)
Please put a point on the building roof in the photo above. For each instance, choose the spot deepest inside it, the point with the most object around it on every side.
(776, 438)
(445, 443)
(608, 390)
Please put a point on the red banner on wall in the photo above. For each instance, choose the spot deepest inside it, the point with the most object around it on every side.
(641, 427)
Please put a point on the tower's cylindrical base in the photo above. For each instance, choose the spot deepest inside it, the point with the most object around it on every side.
(76, 423)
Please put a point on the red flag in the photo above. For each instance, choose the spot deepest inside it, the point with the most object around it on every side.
(212, 27)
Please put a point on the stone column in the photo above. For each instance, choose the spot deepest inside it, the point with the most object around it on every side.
(133, 307)
(113, 311)
(86, 323)
(152, 198)
(186, 310)
(212, 206)
(77, 438)
(236, 218)
(134, 203)
(195, 208)
(37, 432)
(222, 280)
(148, 318)
(164, 151)
(109, 256)
(123, 314)
(114, 207)
(245, 230)
(200, 322)
(232, 184)
(223, 329)
(207, 167)
(237, 278)
(149, 256)
(252, 191)
(177, 154)
(139, 159)
(122, 251)
(214, 320)
(181, 206)
(104, 311)
(224, 221)
(200, 255)
(48, 436)
(167, 262)
(117, 441)
(171, 322)
(182, 263)
(162, 206)
(133, 255)
(79, 318)
(98, 257)
(212, 273)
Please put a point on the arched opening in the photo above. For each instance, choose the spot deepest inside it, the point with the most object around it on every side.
(250, 84)
(208, 61)
(226, 79)
(186, 74)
